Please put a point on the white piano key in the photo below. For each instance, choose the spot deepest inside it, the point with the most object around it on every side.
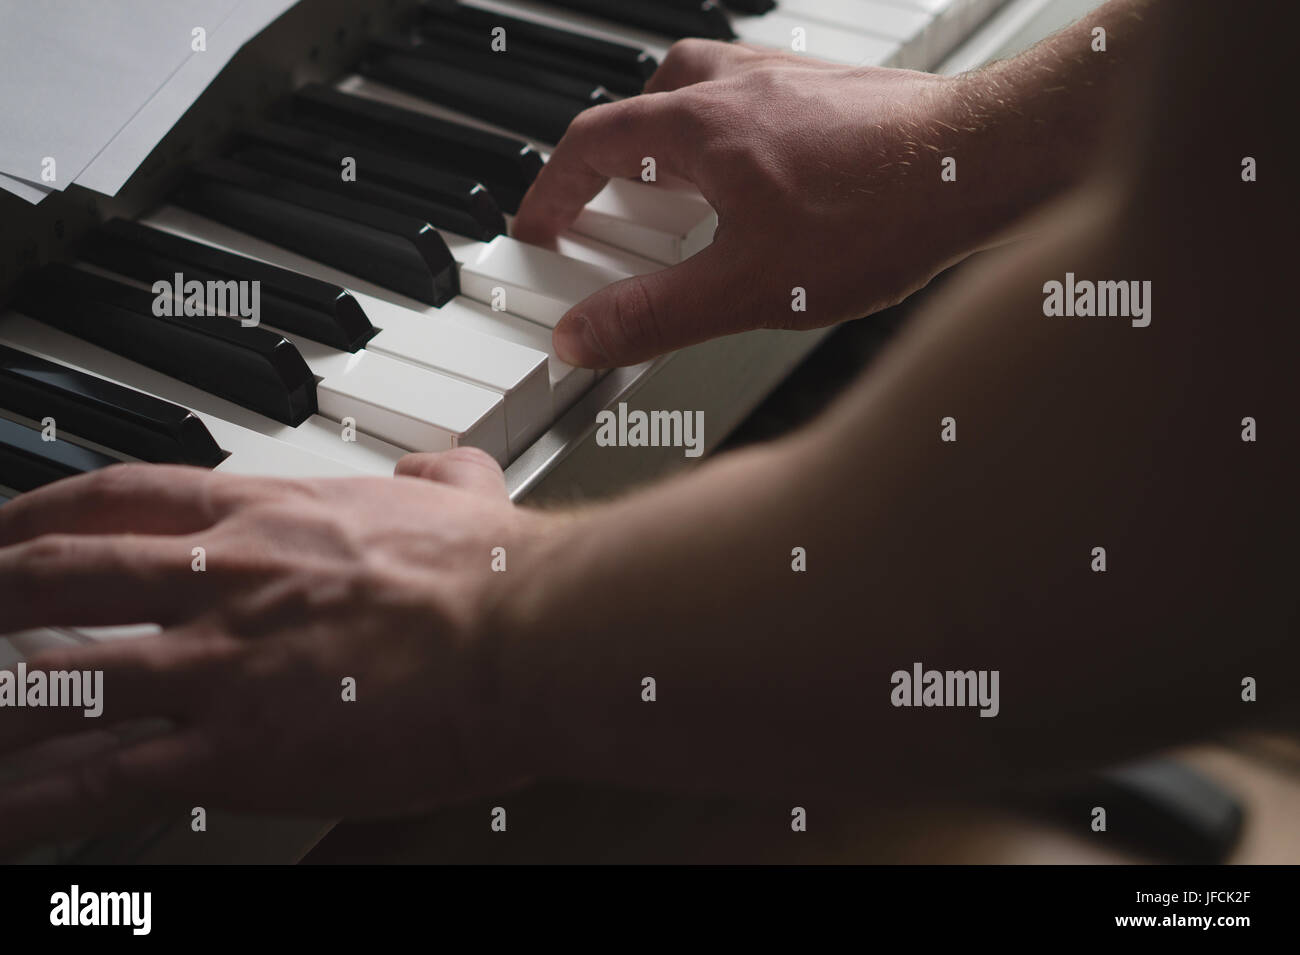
(584, 248)
(535, 281)
(656, 222)
(932, 7)
(28, 643)
(486, 356)
(538, 283)
(257, 445)
(906, 26)
(9, 654)
(409, 406)
(820, 41)
(952, 22)
(517, 373)
(129, 632)
(861, 16)
(568, 383)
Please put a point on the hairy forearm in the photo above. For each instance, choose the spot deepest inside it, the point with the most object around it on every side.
(1023, 131)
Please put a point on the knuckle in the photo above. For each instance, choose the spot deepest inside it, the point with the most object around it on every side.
(685, 52)
(607, 117)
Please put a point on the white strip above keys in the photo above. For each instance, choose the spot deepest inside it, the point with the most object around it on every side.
(257, 445)
(656, 222)
(485, 356)
(932, 7)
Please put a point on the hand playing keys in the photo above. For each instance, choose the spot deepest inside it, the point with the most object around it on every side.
(307, 583)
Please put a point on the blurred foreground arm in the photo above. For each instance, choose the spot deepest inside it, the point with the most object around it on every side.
(978, 554)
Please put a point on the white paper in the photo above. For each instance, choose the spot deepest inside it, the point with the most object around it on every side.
(78, 70)
(24, 190)
(119, 160)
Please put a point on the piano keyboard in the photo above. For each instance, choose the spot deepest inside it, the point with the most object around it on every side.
(396, 312)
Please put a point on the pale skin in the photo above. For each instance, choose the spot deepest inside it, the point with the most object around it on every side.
(974, 554)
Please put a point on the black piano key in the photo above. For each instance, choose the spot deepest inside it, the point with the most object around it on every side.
(105, 412)
(534, 112)
(253, 367)
(28, 461)
(399, 252)
(616, 66)
(507, 166)
(557, 61)
(461, 193)
(503, 66)
(675, 18)
(367, 188)
(751, 6)
(296, 303)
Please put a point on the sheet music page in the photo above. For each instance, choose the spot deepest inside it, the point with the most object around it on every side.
(78, 70)
(109, 171)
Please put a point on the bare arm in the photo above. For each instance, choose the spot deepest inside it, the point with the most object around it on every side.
(1072, 433)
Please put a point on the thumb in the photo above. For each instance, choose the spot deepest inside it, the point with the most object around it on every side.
(467, 468)
(645, 316)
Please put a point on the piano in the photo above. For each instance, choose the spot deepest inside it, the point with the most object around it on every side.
(395, 311)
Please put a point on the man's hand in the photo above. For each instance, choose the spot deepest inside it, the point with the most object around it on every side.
(386, 582)
(822, 179)
(856, 185)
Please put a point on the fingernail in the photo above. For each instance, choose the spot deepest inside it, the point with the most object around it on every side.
(576, 343)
